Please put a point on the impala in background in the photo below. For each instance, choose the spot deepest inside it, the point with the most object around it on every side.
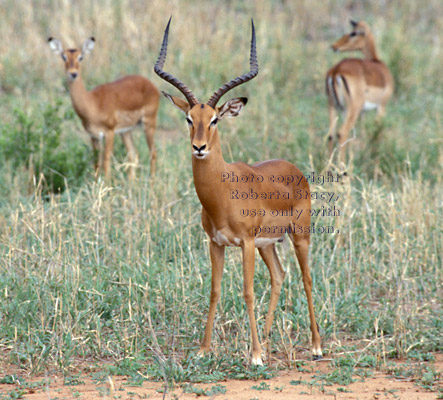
(356, 84)
(221, 213)
(111, 108)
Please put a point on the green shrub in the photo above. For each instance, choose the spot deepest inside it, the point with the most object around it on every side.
(36, 143)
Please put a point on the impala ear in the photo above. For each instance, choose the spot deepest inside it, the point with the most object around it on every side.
(88, 46)
(232, 107)
(55, 45)
(178, 102)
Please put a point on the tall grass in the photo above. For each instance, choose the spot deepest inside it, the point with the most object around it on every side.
(121, 271)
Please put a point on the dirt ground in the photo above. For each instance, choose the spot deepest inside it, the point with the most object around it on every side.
(286, 385)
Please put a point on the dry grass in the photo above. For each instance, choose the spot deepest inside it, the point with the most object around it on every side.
(122, 271)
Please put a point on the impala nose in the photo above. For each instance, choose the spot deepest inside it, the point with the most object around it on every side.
(73, 75)
(200, 152)
(199, 149)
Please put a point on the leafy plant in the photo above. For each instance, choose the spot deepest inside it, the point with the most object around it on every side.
(35, 143)
(261, 386)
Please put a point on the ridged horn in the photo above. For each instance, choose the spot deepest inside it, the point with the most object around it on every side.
(158, 68)
(253, 66)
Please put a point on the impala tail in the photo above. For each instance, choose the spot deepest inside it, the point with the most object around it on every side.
(336, 87)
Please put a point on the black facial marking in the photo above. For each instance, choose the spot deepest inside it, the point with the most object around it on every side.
(202, 106)
(72, 50)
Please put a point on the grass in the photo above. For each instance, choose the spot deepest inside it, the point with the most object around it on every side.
(120, 272)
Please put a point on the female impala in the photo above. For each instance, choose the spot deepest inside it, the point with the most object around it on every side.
(111, 108)
(356, 84)
(218, 189)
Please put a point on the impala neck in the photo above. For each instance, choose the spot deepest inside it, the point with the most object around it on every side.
(207, 176)
(81, 98)
(369, 51)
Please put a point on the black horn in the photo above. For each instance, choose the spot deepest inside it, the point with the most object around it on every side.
(158, 68)
(253, 66)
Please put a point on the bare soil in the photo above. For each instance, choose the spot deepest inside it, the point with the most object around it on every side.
(289, 384)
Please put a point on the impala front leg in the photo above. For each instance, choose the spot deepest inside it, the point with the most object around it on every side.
(217, 260)
(96, 154)
(248, 291)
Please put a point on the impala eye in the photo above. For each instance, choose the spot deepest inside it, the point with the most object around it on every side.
(353, 34)
(214, 122)
(189, 121)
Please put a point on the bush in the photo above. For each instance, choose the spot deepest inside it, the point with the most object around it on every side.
(35, 142)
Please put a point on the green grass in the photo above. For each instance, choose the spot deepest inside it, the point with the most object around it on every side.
(120, 273)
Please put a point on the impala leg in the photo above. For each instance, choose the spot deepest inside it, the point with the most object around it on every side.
(381, 111)
(352, 114)
(150, 122)
(277, 273)
(301, 246)
(217, 254)
(109, 145)
(332, 123)
(132, 153)
(248, 292)
(96, 149)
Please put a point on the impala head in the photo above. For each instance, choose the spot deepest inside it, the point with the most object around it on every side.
(202, 118)
(355, 40)
(71, 57)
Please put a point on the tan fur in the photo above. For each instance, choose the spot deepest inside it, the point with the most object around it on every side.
(353, 83)
(111, 108)
(222, 220)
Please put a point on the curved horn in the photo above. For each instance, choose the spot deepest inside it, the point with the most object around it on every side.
(158, 68)
(253, 65)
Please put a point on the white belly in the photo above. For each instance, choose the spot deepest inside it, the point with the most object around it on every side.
(263, 242)
(369, 106)
(123, 130)
(222, 240)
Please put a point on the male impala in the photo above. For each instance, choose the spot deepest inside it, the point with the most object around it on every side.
(356, 84)
(111, 108)
(224, 195)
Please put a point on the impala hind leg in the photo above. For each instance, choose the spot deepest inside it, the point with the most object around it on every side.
(352, 113)
(277, 273)
(332, 111)
(248, 292)
(301, 246)
(132, 153)
(381, 111)
(217, 254)
(149, 122)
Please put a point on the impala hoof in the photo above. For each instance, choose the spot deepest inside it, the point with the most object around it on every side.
(257, 361)
(202, 353)
(317, 354)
